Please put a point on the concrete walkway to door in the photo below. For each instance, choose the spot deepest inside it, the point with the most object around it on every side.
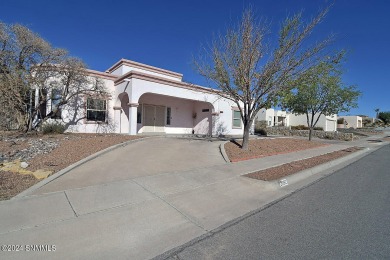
(149, 157)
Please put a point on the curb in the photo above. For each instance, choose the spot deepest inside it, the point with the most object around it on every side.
(223, 152)
(72, 166)
(325, 168)
(337, 165)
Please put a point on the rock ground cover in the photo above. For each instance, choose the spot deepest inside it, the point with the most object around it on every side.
(45, 155)
(267, 146)
(297, 166)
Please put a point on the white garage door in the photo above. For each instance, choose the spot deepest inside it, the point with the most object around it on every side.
(330, 125)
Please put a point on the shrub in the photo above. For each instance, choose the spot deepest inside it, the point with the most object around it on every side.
(303, 127)
(262, 132)
(299, 127)
(260, 125)
(53, 128)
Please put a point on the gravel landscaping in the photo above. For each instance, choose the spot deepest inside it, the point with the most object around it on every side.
(45, 155)
(297, 166)
(267, 147)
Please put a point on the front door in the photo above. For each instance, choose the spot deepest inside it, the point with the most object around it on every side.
(154, 119)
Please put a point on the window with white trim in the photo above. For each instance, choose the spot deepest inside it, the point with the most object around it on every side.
(236, 118)
(96, 110)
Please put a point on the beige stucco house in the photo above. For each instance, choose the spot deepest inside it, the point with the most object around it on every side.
(282, 118)
(148, 100)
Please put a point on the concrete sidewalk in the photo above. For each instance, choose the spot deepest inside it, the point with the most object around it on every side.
(143, 216)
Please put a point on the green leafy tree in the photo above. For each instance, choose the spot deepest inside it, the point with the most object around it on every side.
(320, 91)
(246, 69)
(385, 117)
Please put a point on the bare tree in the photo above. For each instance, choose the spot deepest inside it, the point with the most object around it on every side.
(30, 65)
(247, 71)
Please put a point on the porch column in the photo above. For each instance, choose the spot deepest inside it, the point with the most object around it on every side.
(133, 118)
(117, 119)
(214, 131)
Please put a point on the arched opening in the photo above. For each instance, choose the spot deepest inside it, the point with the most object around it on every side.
(171, 115)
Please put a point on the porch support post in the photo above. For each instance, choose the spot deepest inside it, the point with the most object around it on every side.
(133, 118)
(117, 119)
(214, 124)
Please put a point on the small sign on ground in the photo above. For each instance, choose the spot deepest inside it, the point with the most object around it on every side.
(283, 182)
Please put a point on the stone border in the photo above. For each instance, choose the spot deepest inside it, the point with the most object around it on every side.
(58, 174)
(223, 152)
(327, 167)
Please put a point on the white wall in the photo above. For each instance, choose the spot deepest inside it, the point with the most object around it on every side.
(267, 115)
(352, 121)
(126, 68)
(328, 123)
(138, 87)
(74, 113)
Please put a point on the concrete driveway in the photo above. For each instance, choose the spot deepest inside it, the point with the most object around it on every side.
(141, 200)
(148, 157)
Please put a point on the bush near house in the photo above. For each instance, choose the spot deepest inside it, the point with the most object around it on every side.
(385, 117)
(260, 127)
(53, 128)
(303, 127)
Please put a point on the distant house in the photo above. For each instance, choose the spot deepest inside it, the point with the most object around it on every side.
(281, 118)
(273, 117)
(352, 122)
(150, 100)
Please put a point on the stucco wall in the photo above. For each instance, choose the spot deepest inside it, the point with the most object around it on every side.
(74, 114)
(223, 120)
(267, 115)
(352, 121)
(125, 69)
(328, 123)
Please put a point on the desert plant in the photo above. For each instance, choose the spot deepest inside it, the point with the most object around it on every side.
(53, 128)
(299, 127)
(262, 131)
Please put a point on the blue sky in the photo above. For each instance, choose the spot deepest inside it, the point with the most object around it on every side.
(168, 34)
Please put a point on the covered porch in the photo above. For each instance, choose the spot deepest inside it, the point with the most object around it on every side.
(163, 114)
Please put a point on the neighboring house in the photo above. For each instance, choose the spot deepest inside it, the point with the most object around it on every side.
(328, 123)
(146, 99)
(273, 117)
(281, 118)
(352, 122)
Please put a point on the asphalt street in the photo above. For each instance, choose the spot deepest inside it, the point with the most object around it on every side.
(343, 216)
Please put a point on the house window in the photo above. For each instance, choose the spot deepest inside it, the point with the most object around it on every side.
(206, 110)
(168, 116)
(139, 114)
(55, 101)
(96, 109)
(236, 119)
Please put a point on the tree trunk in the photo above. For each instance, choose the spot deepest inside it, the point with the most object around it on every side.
(310, 133)
(245, 138)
